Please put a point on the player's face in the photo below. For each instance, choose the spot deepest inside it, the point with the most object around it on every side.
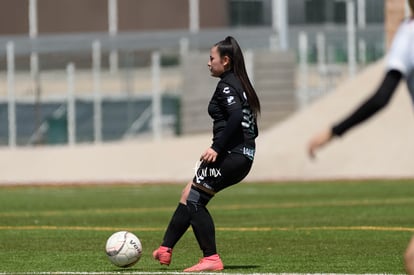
(216, 64)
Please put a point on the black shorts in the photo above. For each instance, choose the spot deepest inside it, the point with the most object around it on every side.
(227, 170)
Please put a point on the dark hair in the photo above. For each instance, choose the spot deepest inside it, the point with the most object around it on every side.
(411, 2)
(230, 48)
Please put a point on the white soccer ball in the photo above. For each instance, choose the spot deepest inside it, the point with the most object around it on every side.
(123, 248)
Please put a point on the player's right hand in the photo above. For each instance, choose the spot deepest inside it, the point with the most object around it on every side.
(209, 155)
(319, 140)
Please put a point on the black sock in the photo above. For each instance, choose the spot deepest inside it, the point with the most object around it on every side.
(180, 221)
(203, 227)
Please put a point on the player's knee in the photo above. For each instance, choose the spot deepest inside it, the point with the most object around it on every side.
(198, 197)
(184, 193)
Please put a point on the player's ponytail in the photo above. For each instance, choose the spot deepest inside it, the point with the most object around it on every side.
(229, 47)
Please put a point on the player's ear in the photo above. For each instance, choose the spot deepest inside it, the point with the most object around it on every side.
(226, 61)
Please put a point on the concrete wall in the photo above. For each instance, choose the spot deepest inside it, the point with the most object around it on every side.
(198, 88)
(274, 81)
(380, 148)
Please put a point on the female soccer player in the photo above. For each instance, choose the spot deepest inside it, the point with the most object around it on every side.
(400, 64)
(233, 108)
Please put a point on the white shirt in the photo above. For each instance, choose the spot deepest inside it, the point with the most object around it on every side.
(401, 54)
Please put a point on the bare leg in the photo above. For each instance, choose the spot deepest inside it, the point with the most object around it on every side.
(409, 258)
(185, 192)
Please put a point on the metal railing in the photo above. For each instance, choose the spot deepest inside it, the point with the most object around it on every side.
(73, 66)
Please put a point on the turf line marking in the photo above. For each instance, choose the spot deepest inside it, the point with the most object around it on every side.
(285, 205)
(171, 273)
(78, 228)
(239, 229)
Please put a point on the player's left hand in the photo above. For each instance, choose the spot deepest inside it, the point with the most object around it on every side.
(209, 155)
(409, 258)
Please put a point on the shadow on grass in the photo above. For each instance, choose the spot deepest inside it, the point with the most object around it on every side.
(240, 266)
(226, 267)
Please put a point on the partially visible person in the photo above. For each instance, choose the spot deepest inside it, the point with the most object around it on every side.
(400, 64)
(234, 108)
(409, 258)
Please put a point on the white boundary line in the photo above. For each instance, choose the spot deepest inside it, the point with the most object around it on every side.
(173, 273)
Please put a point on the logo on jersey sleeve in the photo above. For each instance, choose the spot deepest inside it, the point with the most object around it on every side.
(248, 121)
(226, 90)
(230, 99)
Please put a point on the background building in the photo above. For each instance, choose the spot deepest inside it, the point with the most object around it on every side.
(68, 16)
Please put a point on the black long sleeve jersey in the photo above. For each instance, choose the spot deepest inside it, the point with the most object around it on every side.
(372, 105)
(234, 125)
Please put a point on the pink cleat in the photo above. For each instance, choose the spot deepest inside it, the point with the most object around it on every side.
(163, 255)
(210, 263)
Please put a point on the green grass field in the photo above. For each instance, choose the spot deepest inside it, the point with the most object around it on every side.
(318, 227)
